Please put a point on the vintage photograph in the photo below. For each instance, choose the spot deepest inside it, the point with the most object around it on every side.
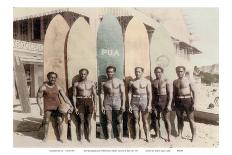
(116, 77)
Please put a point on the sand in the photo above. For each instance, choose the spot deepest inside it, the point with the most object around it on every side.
(207, 135)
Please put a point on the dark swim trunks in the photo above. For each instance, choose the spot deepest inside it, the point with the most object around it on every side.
(160, 103)
(85, 105)
(184, 104)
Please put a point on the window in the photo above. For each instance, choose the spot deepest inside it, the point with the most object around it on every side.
(15, 30)
(36, 29)
(24, 30)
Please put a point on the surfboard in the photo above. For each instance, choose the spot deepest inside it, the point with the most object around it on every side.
(54, 60)
(136, 55)
(110, 51)
(81, 53)
(162, 53)
(21, 84)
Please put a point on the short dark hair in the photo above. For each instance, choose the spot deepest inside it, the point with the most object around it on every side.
(142, 69)
(178, 67)
(50, 73)
(83, 69)
(158, 67)
(111, 66)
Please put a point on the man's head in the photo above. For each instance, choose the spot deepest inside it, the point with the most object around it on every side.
(83, 73)
(110, 71)
(52, 76)
(180, 71)
(139, 72)
(158, 72)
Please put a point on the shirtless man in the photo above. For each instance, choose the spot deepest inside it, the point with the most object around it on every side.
(50, 91)
(184, 99)
(112, 99)
(85, 101)
(140, 96)
(162, 99)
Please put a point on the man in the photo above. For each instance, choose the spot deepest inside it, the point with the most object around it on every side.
(112, 99)
(140, 96)
(184, 98)
(85, 101)
(162, 98)
(50, 92)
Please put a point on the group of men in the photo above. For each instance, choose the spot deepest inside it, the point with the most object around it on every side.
(158, 97)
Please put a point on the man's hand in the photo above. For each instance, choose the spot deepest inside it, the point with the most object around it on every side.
(130, 109)
(148, 109)
(76, 111)
(169, 108)
(41, 112)
(122, 109)
(103, 110)
(71, 108)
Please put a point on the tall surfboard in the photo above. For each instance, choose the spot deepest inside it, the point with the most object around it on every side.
(136, 55)
(54, 59)
(162, 53)
(110, 51)
(81, 53)
(21, 85)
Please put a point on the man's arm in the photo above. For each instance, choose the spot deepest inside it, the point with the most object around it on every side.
(149, 95)
(129, 95)
(74, 95)
(170, 93)
(102, 97)
(173, 96)
(39, 98)
(122, 90)
(95, 98)
(192, 89)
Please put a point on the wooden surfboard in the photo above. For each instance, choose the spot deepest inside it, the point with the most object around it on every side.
(162, 53)
(110, 51)
(136, 55)
(81, 53)
(21, 84)
(54, 59)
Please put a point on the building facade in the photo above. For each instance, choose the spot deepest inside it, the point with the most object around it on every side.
(30, 25)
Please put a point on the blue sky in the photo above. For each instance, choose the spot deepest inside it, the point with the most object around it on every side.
(204, 23)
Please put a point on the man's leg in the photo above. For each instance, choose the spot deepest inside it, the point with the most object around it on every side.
(89, 117)
(145, 125)
(136, 116)
(157, 130)
(119, 125)
(47, 116)
(180, 119)
(190, 117)
(166, 116)
(82, 119)
(60, 128)
(109, 123)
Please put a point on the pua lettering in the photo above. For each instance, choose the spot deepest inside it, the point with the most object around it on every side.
(110, 52)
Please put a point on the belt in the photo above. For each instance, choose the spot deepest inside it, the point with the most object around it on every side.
(140, 95)
(115, 95)
(84, 96)
(184, 96)
(160, 94)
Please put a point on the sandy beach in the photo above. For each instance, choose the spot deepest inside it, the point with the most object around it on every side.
(26, 135)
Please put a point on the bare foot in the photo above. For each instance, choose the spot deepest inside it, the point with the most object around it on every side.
(44, 140)
(61, 140)
(120, 140)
